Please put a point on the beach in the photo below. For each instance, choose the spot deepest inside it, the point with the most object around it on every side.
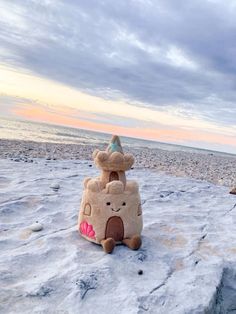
(213, 167)
(187, 261)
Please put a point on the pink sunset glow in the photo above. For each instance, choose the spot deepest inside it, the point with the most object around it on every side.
(38, 114)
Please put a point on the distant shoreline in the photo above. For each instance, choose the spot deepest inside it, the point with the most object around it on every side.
(215, 168)
(53, 133)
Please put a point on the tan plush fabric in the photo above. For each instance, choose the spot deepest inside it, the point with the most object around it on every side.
(111, 206)
(108, 176)
(113, 161)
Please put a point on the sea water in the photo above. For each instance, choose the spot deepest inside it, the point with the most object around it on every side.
(42, 132)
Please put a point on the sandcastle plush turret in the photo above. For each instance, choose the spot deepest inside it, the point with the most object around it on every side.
(110, 210)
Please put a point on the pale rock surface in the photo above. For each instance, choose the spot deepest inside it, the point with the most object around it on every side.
(188, 257)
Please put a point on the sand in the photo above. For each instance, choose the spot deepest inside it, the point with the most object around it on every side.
(211, 167)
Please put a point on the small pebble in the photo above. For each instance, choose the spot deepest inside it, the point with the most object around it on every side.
(36, 227)
(55, 186)
(140, 272)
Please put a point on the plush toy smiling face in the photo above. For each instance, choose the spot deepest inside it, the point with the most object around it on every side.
(117, 203)
(115, 207)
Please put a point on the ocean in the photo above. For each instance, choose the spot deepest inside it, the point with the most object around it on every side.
(42, 132)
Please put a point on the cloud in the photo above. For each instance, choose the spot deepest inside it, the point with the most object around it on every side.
(176, 55)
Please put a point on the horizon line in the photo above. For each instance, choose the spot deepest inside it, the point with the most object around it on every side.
(107, 133)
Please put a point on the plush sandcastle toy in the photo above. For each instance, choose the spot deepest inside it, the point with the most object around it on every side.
(111, 210)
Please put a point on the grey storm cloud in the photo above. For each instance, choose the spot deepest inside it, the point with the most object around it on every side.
(154, 53)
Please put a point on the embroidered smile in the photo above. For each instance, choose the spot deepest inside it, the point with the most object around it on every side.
(115, 210)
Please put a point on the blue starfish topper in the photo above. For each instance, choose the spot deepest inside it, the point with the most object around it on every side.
(115, 145)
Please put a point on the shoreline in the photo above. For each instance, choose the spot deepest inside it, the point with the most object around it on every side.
(210, 167)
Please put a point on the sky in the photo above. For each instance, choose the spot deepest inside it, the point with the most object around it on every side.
(163, 70)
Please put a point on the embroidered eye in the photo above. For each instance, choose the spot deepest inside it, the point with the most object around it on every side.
(108, 203)
(123, 204)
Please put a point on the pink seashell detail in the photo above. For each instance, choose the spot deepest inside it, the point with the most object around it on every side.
(83, 227)
(87, 229)
(91, 234)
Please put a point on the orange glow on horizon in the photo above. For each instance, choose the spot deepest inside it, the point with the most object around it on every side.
(57, 97)
(165, 135)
